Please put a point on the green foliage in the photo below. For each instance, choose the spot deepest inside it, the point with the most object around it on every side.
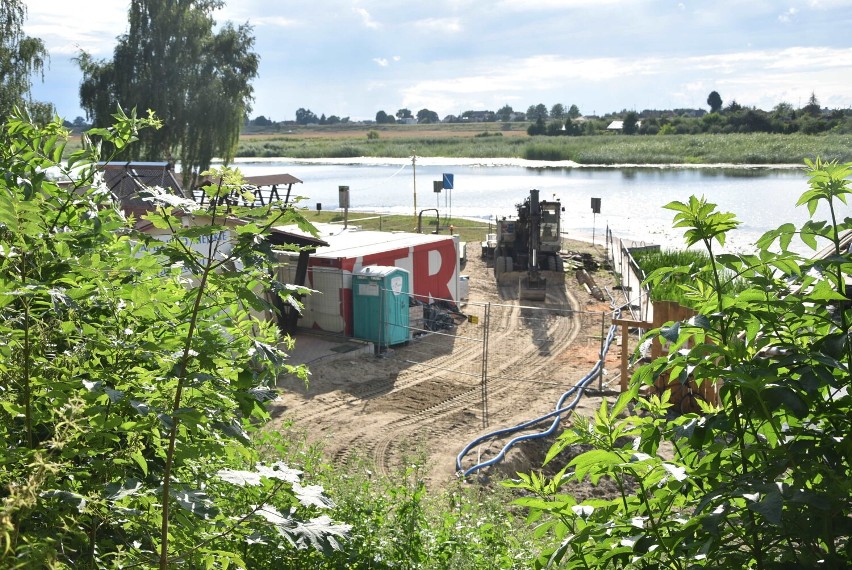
(673, 269)
(760, 479)
(810, 120)
(172, 62)
(383, 118)
(427, 116)
(631, 121)
(544, 151)
(669, 149)
(537, 128)
(715, 101)
(397, 523)
(133, 372)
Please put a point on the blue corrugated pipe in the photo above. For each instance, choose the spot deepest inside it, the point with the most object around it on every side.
(561, 408)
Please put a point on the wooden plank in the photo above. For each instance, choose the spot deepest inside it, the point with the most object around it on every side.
(627, 324)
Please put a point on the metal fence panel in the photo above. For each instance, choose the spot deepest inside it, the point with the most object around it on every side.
(488, 350)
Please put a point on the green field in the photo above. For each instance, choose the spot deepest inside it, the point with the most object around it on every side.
(495, 140)
(468, 230)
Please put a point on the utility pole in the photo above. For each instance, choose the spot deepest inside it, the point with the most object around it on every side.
(414, 175)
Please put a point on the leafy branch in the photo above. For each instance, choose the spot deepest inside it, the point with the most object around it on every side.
(757, 479)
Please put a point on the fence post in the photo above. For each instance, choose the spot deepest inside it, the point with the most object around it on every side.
(601, 354)
(484, 384)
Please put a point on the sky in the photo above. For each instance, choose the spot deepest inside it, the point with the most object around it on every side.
(353, 58)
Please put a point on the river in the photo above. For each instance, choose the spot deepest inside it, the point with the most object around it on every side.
(632, 197)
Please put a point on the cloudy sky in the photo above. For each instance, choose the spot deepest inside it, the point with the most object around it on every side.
(352, 58)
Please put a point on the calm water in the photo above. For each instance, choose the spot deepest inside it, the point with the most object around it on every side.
(632, 199)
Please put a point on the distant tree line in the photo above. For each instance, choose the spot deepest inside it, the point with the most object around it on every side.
(812, 118)
(559, 120)
(79, 124)
(424, 116)
(304, 117)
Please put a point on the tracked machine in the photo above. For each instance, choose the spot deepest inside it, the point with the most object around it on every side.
(530, 244)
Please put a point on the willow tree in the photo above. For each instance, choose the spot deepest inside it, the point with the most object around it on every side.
(172, 61)
(20, 57)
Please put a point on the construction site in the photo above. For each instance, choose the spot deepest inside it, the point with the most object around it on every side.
(420, 352)
(497, 359)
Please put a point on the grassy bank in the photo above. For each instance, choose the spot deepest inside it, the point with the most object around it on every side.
(671, 288)
(479, 141)
(468, 230)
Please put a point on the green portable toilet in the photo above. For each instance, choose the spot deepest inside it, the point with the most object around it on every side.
(380, 305)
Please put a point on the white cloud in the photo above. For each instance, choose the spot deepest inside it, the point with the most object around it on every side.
(752, 78)
(805, 59)
(445, 25)
(385, 62)
(787, 16)
(367, 20)
(54, 22)
(829, 4)
(515, 6)
(275, 21)
(519, 52)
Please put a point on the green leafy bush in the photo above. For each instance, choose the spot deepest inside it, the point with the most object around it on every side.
(764, 478)
(133, 371)
(397, 523)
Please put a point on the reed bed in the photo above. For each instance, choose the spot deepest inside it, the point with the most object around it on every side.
(671, 289)
(740, 149)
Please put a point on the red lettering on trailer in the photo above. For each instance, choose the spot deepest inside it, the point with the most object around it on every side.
(431, 286)
(385, 258)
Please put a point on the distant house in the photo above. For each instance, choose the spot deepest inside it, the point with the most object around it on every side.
(407, 121)
(478, 116)
(618, 126)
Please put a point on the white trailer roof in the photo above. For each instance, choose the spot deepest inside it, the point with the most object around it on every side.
(352, 242)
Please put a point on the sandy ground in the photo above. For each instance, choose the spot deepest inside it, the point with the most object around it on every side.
(409, 405)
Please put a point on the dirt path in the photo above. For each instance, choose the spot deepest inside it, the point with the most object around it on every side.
(415, 403)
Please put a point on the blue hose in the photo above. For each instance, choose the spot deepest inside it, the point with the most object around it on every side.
(577, 391)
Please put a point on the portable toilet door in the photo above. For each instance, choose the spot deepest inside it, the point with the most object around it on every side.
(380, 305)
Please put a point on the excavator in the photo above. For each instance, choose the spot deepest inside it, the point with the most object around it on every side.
(530, 244)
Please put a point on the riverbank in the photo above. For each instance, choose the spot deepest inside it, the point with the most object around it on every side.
(632, 199)
(490, 143)
(504, 161)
